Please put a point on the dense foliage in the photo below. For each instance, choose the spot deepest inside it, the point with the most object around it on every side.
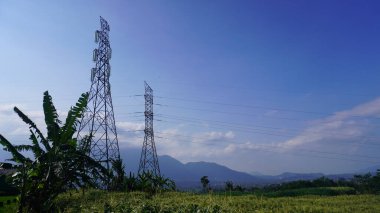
(60, 162)
(359, 184)
(6, 186)
(367, 183)
(149, 183)
(145, 182)
(300, 184)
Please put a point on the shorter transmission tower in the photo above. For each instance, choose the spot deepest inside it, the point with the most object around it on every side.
(149, 160)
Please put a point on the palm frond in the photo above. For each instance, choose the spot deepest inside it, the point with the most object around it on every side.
(22, 148)
(73, 116)
(99, 169)
(17, 156)
(37, 150)
(85, 143)
(33, 126)
(51, 118)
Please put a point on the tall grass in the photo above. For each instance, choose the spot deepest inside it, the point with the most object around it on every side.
(100, 201)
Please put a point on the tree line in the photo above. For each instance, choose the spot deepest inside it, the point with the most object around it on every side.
(362, 184)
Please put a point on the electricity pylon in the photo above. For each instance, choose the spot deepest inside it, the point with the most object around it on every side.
(98, 119)
(148, 159)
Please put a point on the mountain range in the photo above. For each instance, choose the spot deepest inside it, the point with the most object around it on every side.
(187, 175)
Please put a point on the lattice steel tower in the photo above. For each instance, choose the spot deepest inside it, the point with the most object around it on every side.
(99, 116)
(148, 159)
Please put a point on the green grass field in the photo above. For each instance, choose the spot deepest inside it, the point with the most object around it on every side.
(5, 198)
(9, 204)
(100, 201)
(97, 201)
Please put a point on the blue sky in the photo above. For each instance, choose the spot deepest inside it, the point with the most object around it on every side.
(267, 86)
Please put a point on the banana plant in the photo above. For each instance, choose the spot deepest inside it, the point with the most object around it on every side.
(152, 184)
(118, 182)
(60, 162)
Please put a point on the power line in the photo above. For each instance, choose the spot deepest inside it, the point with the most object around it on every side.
(216, 103)
(266, 147)
(253, 106)
(249, 90)
(243, 106)
(236, 105)
(245, 127)
(248, 114)
(206, 138)
(237, 128)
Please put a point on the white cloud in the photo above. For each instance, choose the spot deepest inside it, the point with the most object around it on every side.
(6, 108)
(130, 134)
(13, 128)
(237, 147)
(322, 135)
(213, 136)
(196, 146)
(130, 126)
(10, 123)
(344, 125)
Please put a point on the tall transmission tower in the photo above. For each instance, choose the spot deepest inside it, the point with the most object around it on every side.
(98, 119)
(148, 159)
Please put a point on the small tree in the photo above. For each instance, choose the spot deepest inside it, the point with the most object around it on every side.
(229, 186)
(131, 182)
(376, 182)
(363, 183)
(239, 188)
(205, 183)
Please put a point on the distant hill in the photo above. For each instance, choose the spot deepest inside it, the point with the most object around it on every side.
(187, 175)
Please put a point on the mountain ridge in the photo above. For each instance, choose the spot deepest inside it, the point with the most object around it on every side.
(187, 175)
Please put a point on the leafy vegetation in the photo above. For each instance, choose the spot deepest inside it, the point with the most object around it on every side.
(118, 181)
(367, 183)
(145, 182)
(6, 186)
(360, 184)
(230, 187)
(300, 184)
(149, 183)
(60, 163)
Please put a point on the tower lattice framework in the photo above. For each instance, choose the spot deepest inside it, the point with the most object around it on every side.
(99, 116)
(148, 159)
